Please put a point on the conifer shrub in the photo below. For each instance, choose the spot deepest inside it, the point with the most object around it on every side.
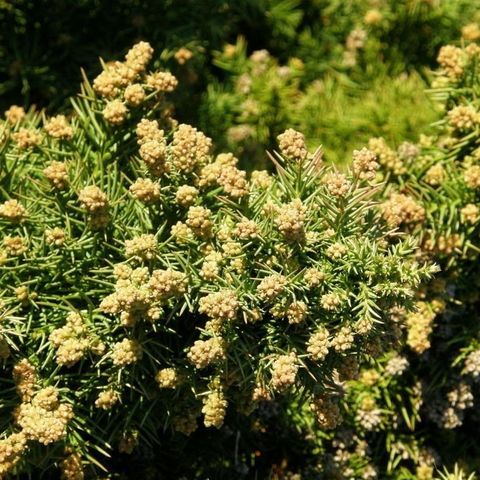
(149, 286)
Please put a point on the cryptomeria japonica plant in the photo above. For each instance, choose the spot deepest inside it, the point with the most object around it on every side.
(148, 285)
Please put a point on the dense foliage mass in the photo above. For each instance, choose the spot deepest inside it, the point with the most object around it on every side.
(233, 290)
(192, 288)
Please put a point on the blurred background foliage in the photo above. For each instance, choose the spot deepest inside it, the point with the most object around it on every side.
(357, 67)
